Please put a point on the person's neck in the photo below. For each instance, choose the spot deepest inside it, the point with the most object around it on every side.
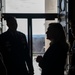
(53, 42)
(12, 30)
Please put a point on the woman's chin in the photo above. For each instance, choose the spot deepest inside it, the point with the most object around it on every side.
(47, 38)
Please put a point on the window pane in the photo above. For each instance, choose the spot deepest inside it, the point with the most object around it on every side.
(25, 6)
(22, 26)
(38, 28)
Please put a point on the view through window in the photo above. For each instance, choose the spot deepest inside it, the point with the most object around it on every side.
(38, 28)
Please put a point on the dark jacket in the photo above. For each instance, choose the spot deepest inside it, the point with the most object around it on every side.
(54, 59)
(15, 52)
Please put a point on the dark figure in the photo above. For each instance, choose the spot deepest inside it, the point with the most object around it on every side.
(54, 59)
(14, 49)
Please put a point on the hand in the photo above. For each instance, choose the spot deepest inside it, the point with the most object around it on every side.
(38, 59)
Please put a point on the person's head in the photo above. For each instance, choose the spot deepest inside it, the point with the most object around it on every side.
(11, 22)
(55, 32)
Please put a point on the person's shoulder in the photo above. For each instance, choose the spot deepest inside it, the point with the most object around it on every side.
(62, 45)
(21, 33)
(3, 34)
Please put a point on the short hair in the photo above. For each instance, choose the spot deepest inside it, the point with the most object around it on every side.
(10, 19)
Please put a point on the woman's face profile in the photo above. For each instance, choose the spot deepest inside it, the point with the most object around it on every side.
(49, 33)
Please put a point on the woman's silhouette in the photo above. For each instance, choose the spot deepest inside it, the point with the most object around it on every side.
(54, 59)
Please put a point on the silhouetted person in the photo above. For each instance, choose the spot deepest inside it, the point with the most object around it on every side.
(54, 59)
(14, 49)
